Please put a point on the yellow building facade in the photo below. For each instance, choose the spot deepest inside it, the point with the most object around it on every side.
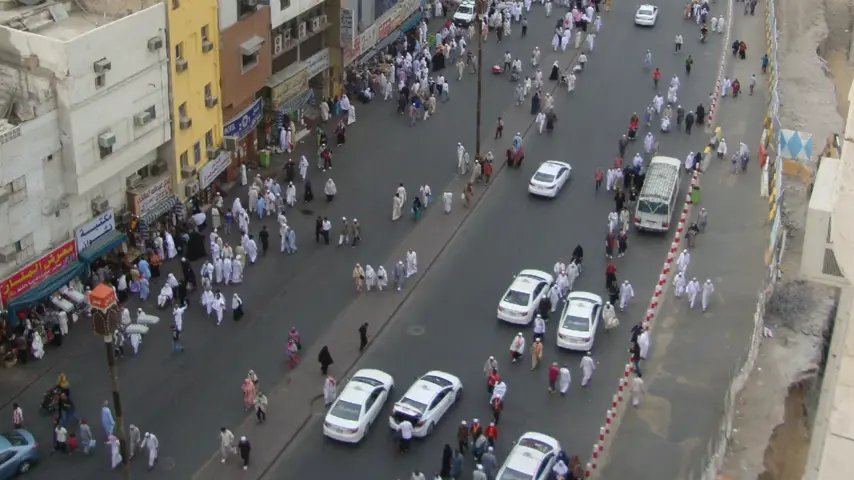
(195, 72)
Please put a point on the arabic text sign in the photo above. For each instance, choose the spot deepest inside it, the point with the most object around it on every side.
(95, 229)
(317, 62)
(213, 168)
(290, 88)
(369, 38)
(150, 196)
(348, 27)
(33, 274)
(244, 123)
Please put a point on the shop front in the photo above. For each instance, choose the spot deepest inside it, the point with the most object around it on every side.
(242, 131)
(153, 205)
(50, 279)
(289, 95)
(366, 45)
(98, 239)
(209, 174)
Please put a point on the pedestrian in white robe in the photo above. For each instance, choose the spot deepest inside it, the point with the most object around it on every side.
(693, 288)
(679, 283)
(541, 121)
(171, 251)
(151, 444)
(411, 263)
(721, 23)
(219, 304)
(135, 341)
(252, 250)
(461, 150)
(643, 343)
(564, 379)
(591, 38)
(396, 207)
(237, 270)
(610, 179)
(556, 41)
(37, 346)
(637, 390)
(227, 268)
(610, 316)
(708, 290)
(689, 161)
(370, 278)
(399, 275)
(559, 268)
(548, 8)
(562, 284)
(207, 299)
(303, 167)
(571, 274)
(627, 292)
(330, 390)
(570, 82)
(382, 278)
(588, 366)
(499, 391)
(613, 222)
(683, 261)
(554, 297)
(447, 200)
(126, 320)
(115, 451)
(598, 23)
(565, 38)
(165, 296)
(517, 347)
(578, 37)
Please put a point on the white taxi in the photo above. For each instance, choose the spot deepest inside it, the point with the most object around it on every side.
(549, 178)
(579, 320)
(426, 401)
(357, 406)
(532, 458)
(521, 299)
(646, 15)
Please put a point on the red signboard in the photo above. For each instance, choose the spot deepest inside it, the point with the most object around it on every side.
(386, 28)
(33, 274)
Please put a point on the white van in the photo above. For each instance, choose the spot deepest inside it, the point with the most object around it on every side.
(659, 194)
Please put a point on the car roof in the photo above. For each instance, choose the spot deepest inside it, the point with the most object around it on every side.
(528, 460)
(647, 7)
(378, 375)
(584, 296)
(423, 391)
(358, 392)
(524, 284)
(552, 166)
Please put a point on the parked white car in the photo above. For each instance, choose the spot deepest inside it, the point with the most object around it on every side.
(579, 320)
(357, 406)
(521, 299)
(549, 178)
(646, 15)
(426, 401)
(465, 14)
(532, 458)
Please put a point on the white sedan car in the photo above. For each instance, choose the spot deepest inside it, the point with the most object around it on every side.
(354, 411)
(521, 299)
(532, 458)
(579, 320)
(426, 401)
(646, 15)
(549, 178)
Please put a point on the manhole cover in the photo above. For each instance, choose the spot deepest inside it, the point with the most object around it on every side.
(166, 463)
(416, 330)
(306, 211)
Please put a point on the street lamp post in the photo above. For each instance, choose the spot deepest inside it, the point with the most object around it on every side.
(105, 319)
(479, 20)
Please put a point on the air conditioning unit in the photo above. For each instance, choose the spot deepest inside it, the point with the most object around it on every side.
(324, 20)
(207, 46)
(106, 139)
(186, 122)
(133, 181)
(100, 205)
(141, 118)
(211, 101)
(287, 36)
(187, 172)
(212, 153)
(102, 66)
(278, 44)
(192, 188)
(181, 65)
(302, 30)
(155, 44)
(315, 24)
(230, 143)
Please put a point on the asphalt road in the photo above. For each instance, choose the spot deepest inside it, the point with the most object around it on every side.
(449, 323)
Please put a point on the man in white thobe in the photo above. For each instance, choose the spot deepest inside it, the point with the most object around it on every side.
(588, 366)
(252, 250)
(689, 162)
(461, 166)
(411, 263)
(708, 290)
(657, 103)
(637, 390)
(643, 343)
(564, 379)
(626, 294)
(219, 307)
(693, 289)
(679, 284)
(571, 274)
(683, 261)
(401, 193)
(151, 443)
(648, 143)
(330, 389)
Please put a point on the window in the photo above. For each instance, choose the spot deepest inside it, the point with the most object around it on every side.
(182, 110)
(197, 153)
(25, 250)
(17, 189)
(151, 111)
(248, 62)
(185, 160)
(100, 80)
(284, 4)
(205, 32)
(179, 50)
(209, 139)
(105, 151)
(243, 8)
(208, 90)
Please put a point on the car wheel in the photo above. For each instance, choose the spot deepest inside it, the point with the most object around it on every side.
(459, 395)
(24, 468)
(429, 428)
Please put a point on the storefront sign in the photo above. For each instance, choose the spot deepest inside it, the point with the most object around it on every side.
(244, 123)
(33, 274)
(213, 168)
(369, 38)
(317, 63)
(382, 27)
(348, 27)
(290, 88)
(148, 197)
(95, 229)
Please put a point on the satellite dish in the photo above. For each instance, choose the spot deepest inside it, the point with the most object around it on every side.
(30, 3)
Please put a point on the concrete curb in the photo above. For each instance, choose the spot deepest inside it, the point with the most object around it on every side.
(713, 107)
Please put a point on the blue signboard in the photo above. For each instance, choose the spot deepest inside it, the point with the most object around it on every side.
(246, 121)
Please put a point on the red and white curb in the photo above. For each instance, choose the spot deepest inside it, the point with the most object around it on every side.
(719, 83)
(618, 400)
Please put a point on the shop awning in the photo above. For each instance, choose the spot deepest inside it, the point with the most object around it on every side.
(99, 247)
(296, 103)
(44, 289)
(165, 206)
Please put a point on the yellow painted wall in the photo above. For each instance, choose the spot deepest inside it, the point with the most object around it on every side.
(186, 20)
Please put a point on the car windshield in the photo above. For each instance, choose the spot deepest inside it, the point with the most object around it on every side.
(544, 177)
(369, 381)
(413, 404)
(436, 380)
(515, 297)
(578, 324)
(465, 10)
(346, 411)
(510, 474)
(652, 207)
(645, 12)
(535, 444)
(14, 439)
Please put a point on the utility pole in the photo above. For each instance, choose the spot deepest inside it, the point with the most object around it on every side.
(105, 319)
(479, 19)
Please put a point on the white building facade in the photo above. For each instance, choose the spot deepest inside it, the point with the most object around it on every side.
(86, 100)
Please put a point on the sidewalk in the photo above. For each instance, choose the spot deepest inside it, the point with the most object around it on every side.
(693, 354)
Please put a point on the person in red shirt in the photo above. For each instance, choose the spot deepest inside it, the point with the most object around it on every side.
(487, 171)
(492, 434)
(497, 407)
(656, 76)
(599, 177)
(493, 379)
(554, 372)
